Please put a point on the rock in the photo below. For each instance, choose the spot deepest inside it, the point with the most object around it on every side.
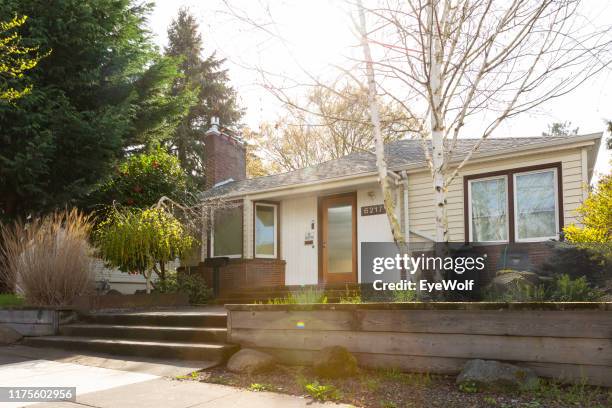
(508, 277)
(113, 292)
(335, 362)
(250, 361)
(8, 335)
(488, 374)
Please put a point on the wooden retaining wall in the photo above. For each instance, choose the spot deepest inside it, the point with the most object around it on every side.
(566, 341)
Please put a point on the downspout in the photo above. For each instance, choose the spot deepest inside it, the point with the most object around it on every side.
(405, 214)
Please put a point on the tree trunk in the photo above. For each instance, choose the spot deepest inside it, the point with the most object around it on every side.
(387, 189)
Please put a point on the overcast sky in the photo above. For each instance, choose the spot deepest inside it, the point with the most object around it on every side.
(318, 34)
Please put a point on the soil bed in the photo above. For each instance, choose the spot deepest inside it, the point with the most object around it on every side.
(393, 389)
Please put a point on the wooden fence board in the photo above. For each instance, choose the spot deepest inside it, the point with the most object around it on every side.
(536, 349)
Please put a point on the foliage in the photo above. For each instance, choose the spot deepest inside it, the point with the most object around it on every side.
(142, 179)
(595, 215)
(469, 387)
(405, 296)
(561, 288)
(104, 87)
(557, 129)
(334, 123)
(136, 241)
(210, 84)
(566, 289)
(351, 296)
(15, 60)
(8, 299)
(576, 260)
(322, 392)
(192, 285)
(304, 296)
(49, 258)
(257, 387)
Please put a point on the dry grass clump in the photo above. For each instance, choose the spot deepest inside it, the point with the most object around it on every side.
(49, 259)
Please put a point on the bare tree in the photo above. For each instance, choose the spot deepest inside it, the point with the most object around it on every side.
(449, 61)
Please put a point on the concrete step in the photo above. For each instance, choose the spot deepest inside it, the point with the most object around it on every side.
(147, 333)
(159, 349)
(157, 319)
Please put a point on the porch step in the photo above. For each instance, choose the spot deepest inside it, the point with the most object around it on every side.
(157, 319)
(158, 349)
(153, 333)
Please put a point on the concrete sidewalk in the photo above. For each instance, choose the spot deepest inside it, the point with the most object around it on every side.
(110, 382)
(167, 393)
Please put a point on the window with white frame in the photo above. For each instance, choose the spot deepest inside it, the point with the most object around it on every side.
(266, 230)
(226, 236)
(515, 205)
(489, 209)
(536, 205)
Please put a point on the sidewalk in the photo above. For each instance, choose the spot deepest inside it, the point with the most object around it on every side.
(108, 382)
(166, 393)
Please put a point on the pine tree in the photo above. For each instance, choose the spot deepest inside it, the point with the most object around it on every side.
(215, 96)
(102, 86)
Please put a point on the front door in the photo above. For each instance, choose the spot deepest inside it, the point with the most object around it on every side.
(339, 238)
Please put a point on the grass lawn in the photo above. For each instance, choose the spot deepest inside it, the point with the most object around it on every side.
(394, 389)
(8, 299)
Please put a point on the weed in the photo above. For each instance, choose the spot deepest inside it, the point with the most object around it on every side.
(191, 376)
(261, 387)
(490, 401)
(322, 392)
(388, 404)
(469, 387)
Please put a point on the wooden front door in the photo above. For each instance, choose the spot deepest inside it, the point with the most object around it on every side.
(338, 244)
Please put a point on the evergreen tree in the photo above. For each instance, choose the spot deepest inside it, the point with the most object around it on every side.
(215, 96)
(103, 87)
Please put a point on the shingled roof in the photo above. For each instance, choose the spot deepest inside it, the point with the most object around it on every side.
(400, 154)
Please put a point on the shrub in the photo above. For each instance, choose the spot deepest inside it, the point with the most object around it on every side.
(577, 290)
(49, 259)
(304, 296)
(404, 296)
(138, 241)
(193, 285)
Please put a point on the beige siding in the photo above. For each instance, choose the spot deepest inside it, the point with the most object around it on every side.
(421, 198)
(247, 228)
(297, 214)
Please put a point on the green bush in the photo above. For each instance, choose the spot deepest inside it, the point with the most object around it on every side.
(304, 296)
(193, 285)
(566, 289)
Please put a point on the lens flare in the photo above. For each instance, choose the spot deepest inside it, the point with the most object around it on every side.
(300, 324)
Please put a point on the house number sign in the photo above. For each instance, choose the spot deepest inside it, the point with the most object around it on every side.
(372, 210)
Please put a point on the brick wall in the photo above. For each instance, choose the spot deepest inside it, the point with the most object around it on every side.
(225, 158)
(245, 274)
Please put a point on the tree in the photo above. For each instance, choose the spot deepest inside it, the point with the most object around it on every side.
(142, 179)
(15, 60)
(142, 241)
(206, 78)
(557, 129)
(332, 123)
(456, 60)
(103, 88)
(595, 215)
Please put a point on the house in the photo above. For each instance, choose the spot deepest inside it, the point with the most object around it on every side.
(306, 226)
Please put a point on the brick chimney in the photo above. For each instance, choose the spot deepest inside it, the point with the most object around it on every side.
(225, 156)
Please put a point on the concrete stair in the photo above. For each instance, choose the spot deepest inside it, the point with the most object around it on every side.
(172, 335)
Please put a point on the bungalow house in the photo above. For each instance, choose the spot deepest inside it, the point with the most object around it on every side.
(305, 226)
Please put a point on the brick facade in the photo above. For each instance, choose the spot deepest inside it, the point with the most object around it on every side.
(241, 274)
(225, 158)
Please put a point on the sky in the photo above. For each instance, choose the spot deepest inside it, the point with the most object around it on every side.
(317, 34)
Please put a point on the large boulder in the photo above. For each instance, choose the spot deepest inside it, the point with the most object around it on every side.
(334, 362)
(249, 361)
(488, 374)
(8, 335)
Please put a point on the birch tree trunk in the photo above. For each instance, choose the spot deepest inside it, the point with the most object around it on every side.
(436, 116)
(381, 165)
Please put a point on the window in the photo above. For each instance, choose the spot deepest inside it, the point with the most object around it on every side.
(535, 205)
(226, 237)
(519, 205)
(266, 230)
(489, 210)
